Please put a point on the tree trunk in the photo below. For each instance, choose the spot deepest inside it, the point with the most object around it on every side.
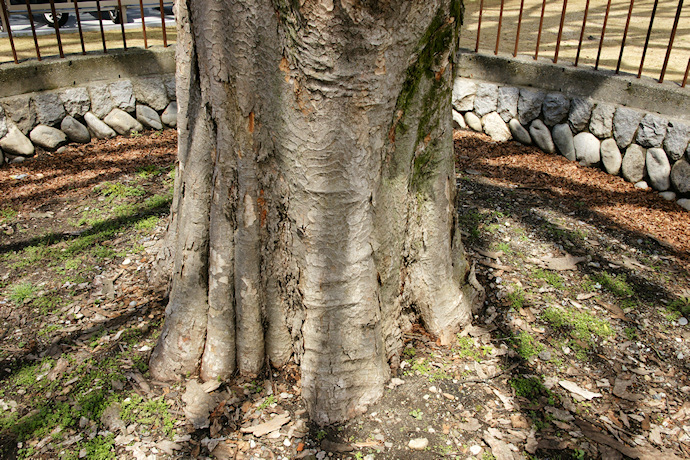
(314, 208)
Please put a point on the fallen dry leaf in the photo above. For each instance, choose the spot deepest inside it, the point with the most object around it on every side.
(576, 390)
(266, 427)
(567, 262)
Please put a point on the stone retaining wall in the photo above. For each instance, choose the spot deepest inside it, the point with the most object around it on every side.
(99, 110)
(644, 147)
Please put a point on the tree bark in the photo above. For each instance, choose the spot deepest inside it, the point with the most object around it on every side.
(314, 210)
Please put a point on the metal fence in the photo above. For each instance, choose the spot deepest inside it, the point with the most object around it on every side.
(57, 11)
(637, 36)
(642, 37)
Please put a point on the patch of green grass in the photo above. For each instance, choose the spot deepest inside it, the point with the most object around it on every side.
(505, 247)
(680, 306)
(7, 214)
(31, 255)
(152, 413)
(526, 345)
(47, 303)
(158, 201)
(581, 325)
(102, 252)
(20, 293)
(46, 331)
(528, 387)
(119, 190)
(409, 352)
(468, 349)
(630, 333)
(320, 435)
(587, 284)
(516, 297)
(149, 171)
(616, 284)
(440, 374)
(492, 228)
(552, 278)
(101, 448)
(147, 223)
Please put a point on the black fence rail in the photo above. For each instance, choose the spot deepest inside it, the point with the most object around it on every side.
(635, 36)
(56, 13)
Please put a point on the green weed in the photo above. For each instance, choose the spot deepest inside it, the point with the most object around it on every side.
(147, 223)
(528, 387)
(552, 278)
(630, 333)
(581, 325)
(526, 345)
(505, 247)
(516, 298)
(267, 402)
(149, 171)
(7, 214)
(101, 448)
(416, 413)
(23, 292)
(467, 349)
(615, 284)
(119, 190)
(151, 413)
(680, 306)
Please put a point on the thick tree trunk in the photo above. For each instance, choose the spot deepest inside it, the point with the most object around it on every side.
(314, 202)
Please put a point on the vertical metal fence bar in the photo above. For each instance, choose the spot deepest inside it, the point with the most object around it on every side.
(670, 42)
(541, 24)
(582, 33)
(123, 18)
(81, 33)
(143, 24)
(560, 32)
(625, 36)
(646, 42)
(517, 36)
(57, 28)
(9, 30)
(603, 32)
(479, 24)
(500, 22)
(33, 28)
(685, 78)
(100, 22)
(165, 35)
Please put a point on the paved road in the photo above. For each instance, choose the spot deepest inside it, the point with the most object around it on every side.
(21, 27)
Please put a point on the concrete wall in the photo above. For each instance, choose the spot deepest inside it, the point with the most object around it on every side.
(53, 73)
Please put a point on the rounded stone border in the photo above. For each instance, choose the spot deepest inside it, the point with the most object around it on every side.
(645, 148)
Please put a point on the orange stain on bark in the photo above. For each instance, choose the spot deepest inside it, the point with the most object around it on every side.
(263, 208)
(251, 122)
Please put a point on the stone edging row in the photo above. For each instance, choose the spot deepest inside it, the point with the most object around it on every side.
(645, 148)
(99, 110)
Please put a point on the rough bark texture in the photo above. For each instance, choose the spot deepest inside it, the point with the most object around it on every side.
(314, 202)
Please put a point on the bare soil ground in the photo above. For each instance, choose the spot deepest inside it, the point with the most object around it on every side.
(580, 350)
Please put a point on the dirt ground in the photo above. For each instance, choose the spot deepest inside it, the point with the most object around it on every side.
(579, 351)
